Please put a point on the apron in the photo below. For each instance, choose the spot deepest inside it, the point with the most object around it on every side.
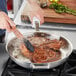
(3, 7)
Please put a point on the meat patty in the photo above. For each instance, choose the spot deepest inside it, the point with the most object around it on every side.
(45, 50)
(40, 55)
(37, 41)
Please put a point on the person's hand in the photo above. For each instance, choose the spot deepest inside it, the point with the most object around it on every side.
(34, 10)
(6, 22)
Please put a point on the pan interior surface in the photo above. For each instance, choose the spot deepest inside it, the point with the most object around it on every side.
(17, 56)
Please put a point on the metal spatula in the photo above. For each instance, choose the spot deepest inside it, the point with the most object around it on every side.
(25, 41)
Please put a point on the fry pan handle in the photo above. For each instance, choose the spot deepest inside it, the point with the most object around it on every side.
(40, 66)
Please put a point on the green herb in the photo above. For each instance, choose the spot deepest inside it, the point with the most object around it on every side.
(60, 8)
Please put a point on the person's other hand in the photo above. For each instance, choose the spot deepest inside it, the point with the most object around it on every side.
(34, 10)
(6, 22)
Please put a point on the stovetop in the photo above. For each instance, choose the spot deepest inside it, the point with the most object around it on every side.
(68, 68)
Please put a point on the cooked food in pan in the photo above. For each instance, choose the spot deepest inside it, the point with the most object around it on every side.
(46, 49)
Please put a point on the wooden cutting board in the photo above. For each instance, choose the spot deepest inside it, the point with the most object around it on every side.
(52, 16)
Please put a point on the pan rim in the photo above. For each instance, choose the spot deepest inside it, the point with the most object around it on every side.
(47, 62)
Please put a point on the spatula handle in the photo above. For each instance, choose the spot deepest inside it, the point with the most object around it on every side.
(36, 23)
(17, 33)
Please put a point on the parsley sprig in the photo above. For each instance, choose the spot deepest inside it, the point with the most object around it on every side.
(60, 8)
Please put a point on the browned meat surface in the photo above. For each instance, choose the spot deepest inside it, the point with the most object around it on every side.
(39, 55)
(25, 51)
(52, 44)
(37, 41)
(42, 56)
(46, 50)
